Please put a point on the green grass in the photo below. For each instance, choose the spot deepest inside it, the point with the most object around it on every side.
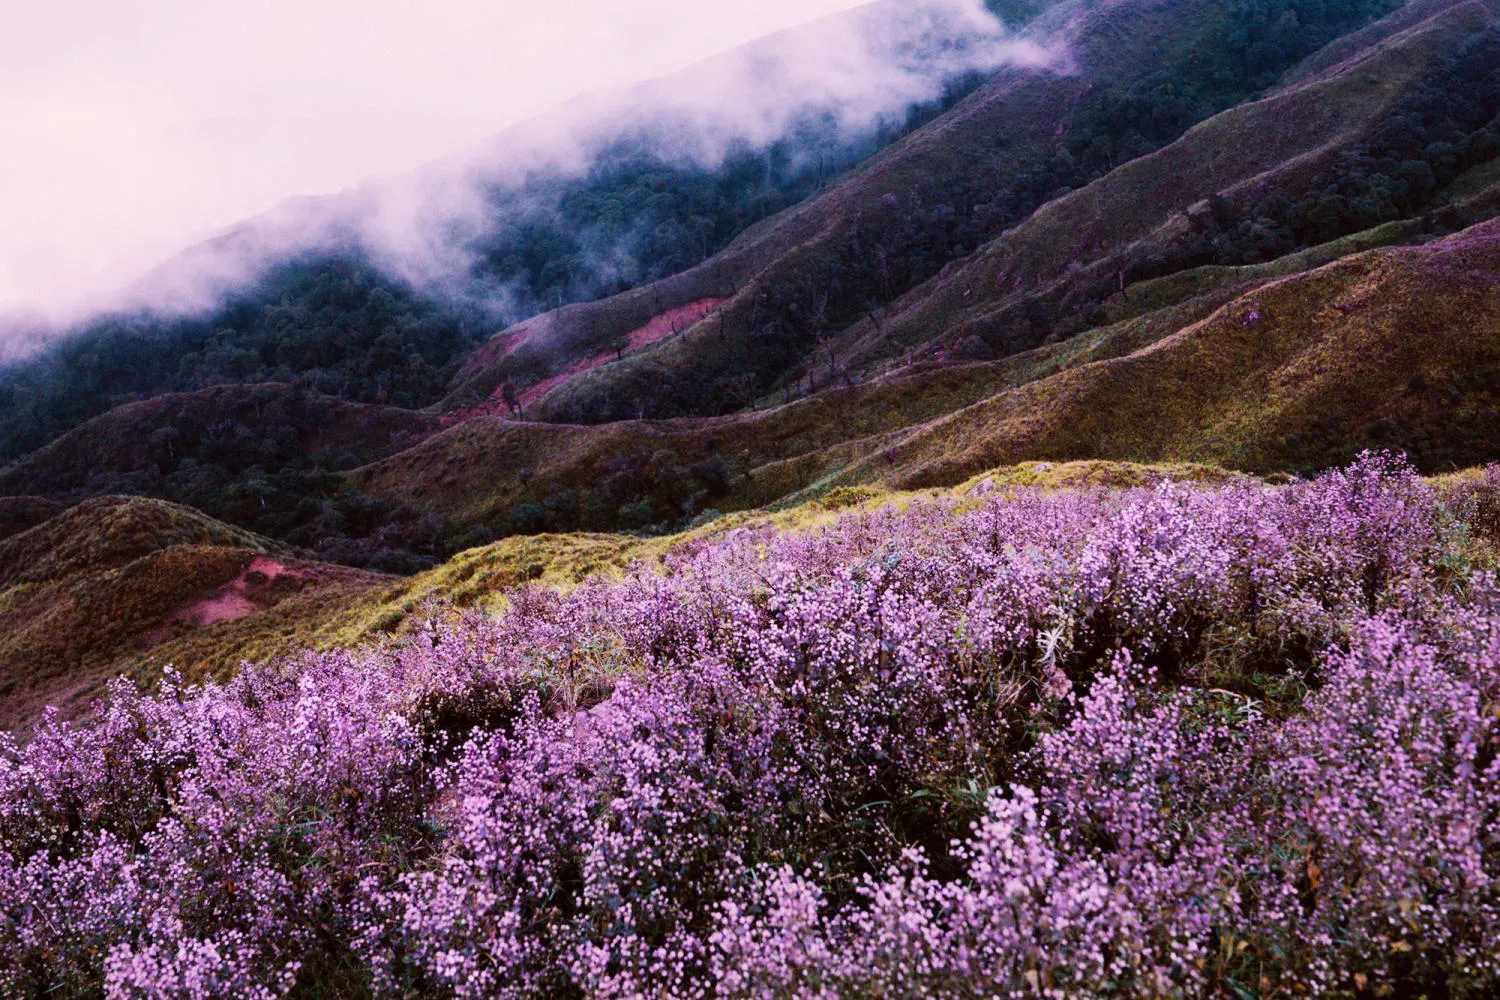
(110, 532)
(1475, 183)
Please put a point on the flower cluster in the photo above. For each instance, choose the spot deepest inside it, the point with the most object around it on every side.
(1167, 742)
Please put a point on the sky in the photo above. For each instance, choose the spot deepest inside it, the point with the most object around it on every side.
(134, 128)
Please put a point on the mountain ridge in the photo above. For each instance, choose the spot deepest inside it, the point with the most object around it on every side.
(1159, 312)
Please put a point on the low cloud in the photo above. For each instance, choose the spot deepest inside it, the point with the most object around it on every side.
(126, 191)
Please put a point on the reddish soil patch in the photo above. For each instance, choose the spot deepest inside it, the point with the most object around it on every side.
(254, 590)
(546, 385)
(507, 343)
(492, 350)
(673, 320)
(659, 328)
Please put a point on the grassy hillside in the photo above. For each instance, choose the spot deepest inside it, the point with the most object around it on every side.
(264, 457)
(1054, 272)
(131, 586)
(1141, 75)
(484, 470)
(998, 358)
(119, 583)
(271, 424)
(1396, 347)
(1382, 348)
(522, 476)
(809, 305)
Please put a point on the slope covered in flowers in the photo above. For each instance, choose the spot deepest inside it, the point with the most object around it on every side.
(1180, 741)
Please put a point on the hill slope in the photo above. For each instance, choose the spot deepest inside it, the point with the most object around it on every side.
(266, 457)
(1081, 249)
(799, 392)
(1396, 347)
(899, 262)
(235, 425)
(844, 261)
(115, 582)
(1393, 347)
(376, 294)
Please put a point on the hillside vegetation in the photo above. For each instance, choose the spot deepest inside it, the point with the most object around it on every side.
(127, 586)
(1385, 348)
(1192, 152)
(1180, 740)
(268, 458)
(1144, 74)
(1057, 557)
(324, 308)
(1195, 291)
(1394, 347)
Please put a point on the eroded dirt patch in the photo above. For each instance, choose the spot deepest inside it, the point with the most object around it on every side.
(659, 328)
(263, 583)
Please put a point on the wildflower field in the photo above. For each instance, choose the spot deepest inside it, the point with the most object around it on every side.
(1185, 740)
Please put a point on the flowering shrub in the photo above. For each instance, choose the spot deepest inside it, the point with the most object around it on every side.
(1170, 742)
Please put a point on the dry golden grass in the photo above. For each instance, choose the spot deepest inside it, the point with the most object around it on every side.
(1059, 476)
(1391, 347)
(1394, 347)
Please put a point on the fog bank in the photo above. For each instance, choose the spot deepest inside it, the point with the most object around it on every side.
(142, 128)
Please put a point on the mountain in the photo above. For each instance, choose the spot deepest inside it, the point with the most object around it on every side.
(378, 293)
(848, 264)
(1077, 253)
(1298, 372)
(1390, 348)
(1056, 556)
(1199, 240)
